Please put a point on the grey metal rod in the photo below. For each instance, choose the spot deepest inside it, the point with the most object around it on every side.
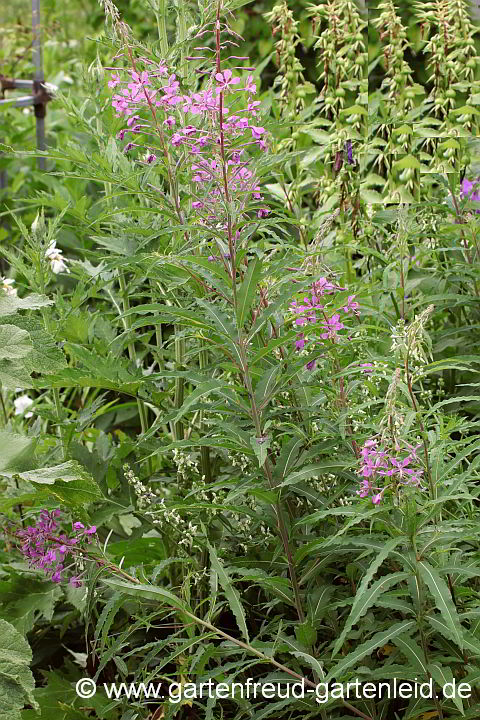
(22, 101)
(19, 84)
(37, 61)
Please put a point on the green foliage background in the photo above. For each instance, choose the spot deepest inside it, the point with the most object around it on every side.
(143, 377)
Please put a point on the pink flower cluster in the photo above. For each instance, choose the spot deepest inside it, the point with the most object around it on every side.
(311, 308)
(147, 91)
(377, 463)
(46, 548)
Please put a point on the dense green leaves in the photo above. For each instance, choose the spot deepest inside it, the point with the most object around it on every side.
(16, 679)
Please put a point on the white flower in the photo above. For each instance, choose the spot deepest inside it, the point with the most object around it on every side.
(6, 284)
(56, 259)
(21, 404)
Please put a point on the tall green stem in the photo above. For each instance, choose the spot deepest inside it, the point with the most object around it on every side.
(205, 451)
(267, 469)
(161, 15)
(127, 323)
(179, 382)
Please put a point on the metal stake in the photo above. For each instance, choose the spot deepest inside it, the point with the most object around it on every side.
(38, 80)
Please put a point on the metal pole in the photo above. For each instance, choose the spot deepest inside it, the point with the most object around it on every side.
(37, 61)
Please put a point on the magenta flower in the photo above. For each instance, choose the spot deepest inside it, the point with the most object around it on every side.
(351, 305)
(466, 188)
(252, 107)
(300, 341)
(306, 312)
(331, 326)
(139, 79)
(114, 81)
(323, 286)
(250, 85)
(367, 368)
(225, 79)
(257, 132)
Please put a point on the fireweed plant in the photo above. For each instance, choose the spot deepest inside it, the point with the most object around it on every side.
(239, 438)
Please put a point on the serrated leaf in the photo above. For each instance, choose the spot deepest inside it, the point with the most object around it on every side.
(13, 374)
(231, 593)
(365, 596)
(14, 342)
(287, 459)
(46, 356)
(266, 385)
(16, 680)
(16, 451)
(67, 471)
(10, 304)
(69, 483)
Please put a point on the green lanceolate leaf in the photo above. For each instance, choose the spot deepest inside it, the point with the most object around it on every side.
(412, 652)
(247, 290)
(147, 592)
(443, 600)
(230, 591)
(205, 388)
(364, 599)
(260, 448)
(366, 648)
